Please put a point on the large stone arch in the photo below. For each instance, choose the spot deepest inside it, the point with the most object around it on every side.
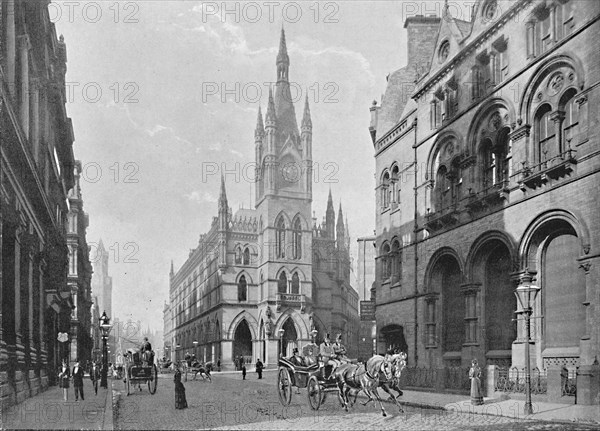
(480, 243)
(301, 328)
(493, 104)
(541, 72)
(438, 146)
(252, 324)
(530, 241)
(435, 257)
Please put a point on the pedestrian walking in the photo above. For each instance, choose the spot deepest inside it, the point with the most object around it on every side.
(180, 401)
(64, 375)
(219, 364)
(78, 381)
(243, 371)
(259, 368)
(95, 376)
(475, 376)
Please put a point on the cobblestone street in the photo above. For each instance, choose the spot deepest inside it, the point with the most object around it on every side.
(231, 403)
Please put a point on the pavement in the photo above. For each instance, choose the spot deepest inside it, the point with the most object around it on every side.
(48, 410)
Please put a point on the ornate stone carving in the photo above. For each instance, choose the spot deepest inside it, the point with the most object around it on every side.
(585, 266)
(555, 83)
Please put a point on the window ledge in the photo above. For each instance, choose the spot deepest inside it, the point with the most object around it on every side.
(395, 285)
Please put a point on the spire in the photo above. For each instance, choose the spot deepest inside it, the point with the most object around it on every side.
(222, 195)
(282, 56)
(330, 217)
(260, 128)
(306, 121)
(271, 117)
(172, 272)
(340, 220)
(286, 115)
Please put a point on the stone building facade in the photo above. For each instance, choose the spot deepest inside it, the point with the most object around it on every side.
(261, 280)
(487, 176)
(79, 274)
(36, 171)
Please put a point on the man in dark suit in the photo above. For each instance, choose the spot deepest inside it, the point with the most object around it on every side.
(95, 376)
(78, 380)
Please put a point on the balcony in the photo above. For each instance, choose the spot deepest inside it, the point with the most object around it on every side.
(487, 198)
(441, 219)
(553, 168)
(293, 300)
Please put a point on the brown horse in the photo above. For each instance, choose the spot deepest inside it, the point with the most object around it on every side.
(362, 377)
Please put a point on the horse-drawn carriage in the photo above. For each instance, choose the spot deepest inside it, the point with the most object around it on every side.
(196, 368)
(140, 369)
(313, 377)
(317, 378)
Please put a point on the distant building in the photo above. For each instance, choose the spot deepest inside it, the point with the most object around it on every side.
(79, 274)
(261, 281)
(366, 279)
(101, 281)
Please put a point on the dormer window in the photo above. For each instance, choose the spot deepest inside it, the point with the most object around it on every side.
(444, 51)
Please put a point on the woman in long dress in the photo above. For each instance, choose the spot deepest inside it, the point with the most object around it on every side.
(475, 376)
(180, 401)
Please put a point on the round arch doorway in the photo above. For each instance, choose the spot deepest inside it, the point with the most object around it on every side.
(289, 338)
(392, 337)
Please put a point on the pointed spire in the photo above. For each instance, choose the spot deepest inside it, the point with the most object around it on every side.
(271, 117)
(260, 127)
(172, 272)
(223, 194)
(282, 56)
(306, 121)
(340, 220)
(330, 217)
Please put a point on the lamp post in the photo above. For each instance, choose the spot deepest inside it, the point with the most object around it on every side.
(195, 347)
(105, 327)
(281, 332)
(526, 294)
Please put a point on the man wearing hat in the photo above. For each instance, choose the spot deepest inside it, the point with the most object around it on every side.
(339, 349)
(328, 354)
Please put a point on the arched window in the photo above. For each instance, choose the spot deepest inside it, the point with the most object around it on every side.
(385, 262)
(297, 239)
(246, 260)
(238, 255)
(396, 258)
(385, 191)
(242, 289)
(442, 189)
(570, 121)
(316, 261)
(280, 226)
(547, 145)
(295, 283)
(489, 163)
(395, 192)
(282, 283)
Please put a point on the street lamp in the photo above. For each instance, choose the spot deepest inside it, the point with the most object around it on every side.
(281, 332)
(526, 294)
(105, 327)
(195, 347)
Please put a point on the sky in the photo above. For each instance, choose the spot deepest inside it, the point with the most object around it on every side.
(164, 98)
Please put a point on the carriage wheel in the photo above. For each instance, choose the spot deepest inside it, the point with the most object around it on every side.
(315, 393)
(153, 382)
(284, 386)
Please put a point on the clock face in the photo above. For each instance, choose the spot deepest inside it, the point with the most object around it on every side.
(444, 51)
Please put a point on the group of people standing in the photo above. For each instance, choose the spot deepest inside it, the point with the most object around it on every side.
(77, 374)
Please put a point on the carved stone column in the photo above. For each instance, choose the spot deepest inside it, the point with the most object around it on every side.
(19, 348)
(11, 46)
(558, 118)
(43, 356)
(24, 47)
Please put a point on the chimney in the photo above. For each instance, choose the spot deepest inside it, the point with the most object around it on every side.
(422, 35)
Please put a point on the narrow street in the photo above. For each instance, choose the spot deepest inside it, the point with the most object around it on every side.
(231, 403)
